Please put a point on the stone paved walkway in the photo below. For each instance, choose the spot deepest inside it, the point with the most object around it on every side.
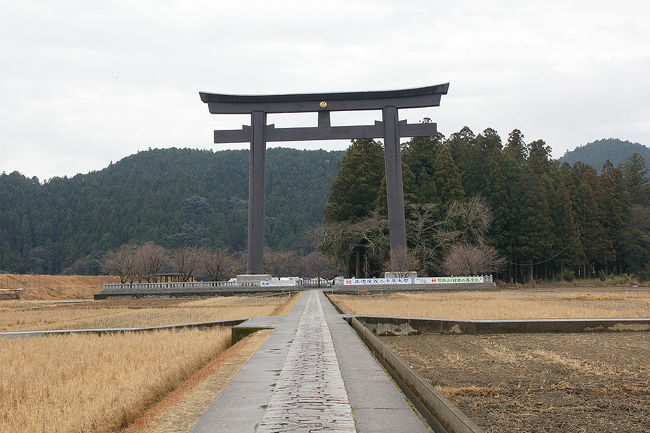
(310, 395)
(313, 374)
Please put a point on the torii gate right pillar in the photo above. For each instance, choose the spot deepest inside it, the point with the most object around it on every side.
(394, 185)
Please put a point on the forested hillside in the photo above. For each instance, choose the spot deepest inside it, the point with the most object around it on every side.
(599, 151)
(173, 197)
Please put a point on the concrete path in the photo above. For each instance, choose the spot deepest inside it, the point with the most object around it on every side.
(313, 374)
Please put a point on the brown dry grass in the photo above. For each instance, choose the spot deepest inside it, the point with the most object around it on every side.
(504, 304)
(37, 315)
(56, 286)
(180, 410)
(90, 383)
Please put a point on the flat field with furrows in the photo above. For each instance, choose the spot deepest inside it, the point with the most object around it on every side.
(537, 383)
(504, 304)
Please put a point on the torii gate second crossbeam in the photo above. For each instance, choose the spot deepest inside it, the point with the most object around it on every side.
(259, 133)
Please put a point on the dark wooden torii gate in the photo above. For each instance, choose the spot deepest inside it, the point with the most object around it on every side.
(391, 129)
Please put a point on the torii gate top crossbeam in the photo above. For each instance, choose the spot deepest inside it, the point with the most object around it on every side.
(324, 103)
(340, 101)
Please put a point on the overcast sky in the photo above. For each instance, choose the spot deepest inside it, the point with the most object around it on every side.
(83, 83)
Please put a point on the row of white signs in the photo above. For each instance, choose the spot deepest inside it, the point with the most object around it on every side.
(420, 280)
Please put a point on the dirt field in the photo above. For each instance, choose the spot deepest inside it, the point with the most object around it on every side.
(505, 304)
(592, 382)
(55, 286)
(115, 313)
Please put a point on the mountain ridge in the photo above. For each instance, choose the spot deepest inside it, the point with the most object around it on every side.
(598, 152)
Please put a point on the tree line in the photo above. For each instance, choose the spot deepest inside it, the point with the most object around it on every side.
(508, 205)
(146, 263)
(474, 205)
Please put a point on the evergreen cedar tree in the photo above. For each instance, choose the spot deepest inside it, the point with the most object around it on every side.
(551, 218)
(355, 190)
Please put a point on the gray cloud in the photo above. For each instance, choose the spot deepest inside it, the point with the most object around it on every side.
(83, 83)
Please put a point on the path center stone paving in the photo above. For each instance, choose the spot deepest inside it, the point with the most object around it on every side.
(310, 395)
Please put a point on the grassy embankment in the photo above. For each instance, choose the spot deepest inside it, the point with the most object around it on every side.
(504, 304)
(50, 287)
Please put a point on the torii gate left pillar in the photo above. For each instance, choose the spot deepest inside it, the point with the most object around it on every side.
(257, 174)
(259, 133)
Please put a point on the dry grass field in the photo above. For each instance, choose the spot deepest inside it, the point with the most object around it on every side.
(181, 409)
(90, 383)
(38, 315)
(504, 304)
(55, 286)
(591, 382)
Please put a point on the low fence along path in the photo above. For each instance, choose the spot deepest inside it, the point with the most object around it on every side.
(311, 375)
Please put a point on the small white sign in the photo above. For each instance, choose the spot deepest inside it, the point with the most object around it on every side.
(448, 280)
(283, 283)
(375, 281)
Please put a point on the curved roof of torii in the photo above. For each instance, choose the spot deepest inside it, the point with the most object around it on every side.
(339, 101)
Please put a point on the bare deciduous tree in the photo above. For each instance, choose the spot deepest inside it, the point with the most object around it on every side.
(367, 238)
(476, 217)
(464, 259)
(401, 262)
(185, 261)
(430, 234)
(220, 264)
(281, 263)
(372, 234)
(432, 231)
(150, 259)
(336, 241)
(317, 265)
(121, 262)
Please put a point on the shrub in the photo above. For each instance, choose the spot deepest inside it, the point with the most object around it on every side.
(568, 274)
(621, 279)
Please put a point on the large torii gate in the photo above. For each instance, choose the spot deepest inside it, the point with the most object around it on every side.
(391, 129)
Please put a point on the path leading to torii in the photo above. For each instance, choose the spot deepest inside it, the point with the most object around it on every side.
(313, 374)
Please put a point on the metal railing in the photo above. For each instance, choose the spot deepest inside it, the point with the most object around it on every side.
(197, 286)
(11, 293)
(181, 285)
(208, 285)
